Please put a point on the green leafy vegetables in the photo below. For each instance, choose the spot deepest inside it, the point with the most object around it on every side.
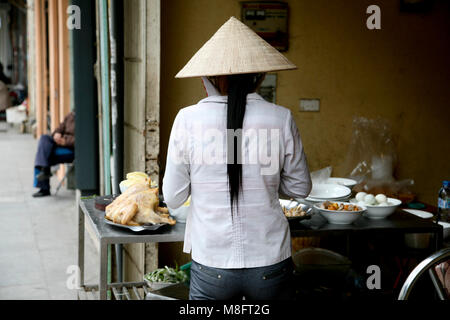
(167, 274)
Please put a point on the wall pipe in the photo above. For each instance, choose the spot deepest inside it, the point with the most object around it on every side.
(106, 117)
(115, 10)
(104, 66)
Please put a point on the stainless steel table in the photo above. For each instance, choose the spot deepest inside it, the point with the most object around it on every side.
(399, 222)
(106, 234)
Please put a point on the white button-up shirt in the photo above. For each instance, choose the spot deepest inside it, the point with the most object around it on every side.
(273, 161)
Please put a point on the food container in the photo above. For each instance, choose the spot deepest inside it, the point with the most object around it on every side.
(289, 204)
(314, 258)
(378, 212)
(158, 285)
(339, 217)
(165, 277)
(349, 183)
(180, 214)
(317, 267)
(123, 187)
(102, 202)
(418, 240)
(446, 227)
(326, 191)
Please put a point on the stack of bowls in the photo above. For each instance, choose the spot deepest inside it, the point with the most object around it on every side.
(349, 183)
(327, 191)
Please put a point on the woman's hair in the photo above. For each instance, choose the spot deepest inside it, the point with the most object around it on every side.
(238, 87)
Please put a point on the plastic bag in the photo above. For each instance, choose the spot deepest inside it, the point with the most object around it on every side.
(371, 160)
(321, 176)
(371, 152)
(393, 189)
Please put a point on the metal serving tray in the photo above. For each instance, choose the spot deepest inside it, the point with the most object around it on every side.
(307, 208)
(144, 227)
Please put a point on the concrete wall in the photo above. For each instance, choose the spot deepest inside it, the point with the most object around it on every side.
(141, 125)
(400, 73)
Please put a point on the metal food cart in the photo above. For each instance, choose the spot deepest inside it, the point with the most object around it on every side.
(400, 222)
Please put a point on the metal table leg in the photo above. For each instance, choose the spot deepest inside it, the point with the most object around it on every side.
(103, 275)
(439, 238)
(81, 245)
(348, 246)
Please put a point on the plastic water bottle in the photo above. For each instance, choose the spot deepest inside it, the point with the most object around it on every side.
(444, 201)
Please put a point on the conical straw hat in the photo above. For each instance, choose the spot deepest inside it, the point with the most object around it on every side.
(235, 49)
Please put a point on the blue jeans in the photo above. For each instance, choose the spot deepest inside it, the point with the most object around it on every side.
(47, 157)
(272, 282)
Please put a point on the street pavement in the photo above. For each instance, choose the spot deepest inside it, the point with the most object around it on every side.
(38, 237)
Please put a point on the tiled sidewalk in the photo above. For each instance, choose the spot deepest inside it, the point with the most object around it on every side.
(38, 237)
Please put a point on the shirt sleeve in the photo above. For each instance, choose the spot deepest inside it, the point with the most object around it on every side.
(61, 128)
(176, 181)
(70, 140)
(295, 179)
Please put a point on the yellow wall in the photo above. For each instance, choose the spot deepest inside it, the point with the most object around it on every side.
(401, 73)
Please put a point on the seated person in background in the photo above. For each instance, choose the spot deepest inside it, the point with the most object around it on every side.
(63, 138)
(5, 100)
(3, 77)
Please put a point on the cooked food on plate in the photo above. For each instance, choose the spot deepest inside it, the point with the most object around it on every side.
(134, 178)
(339, 206)
(293, 212)
(138, 205)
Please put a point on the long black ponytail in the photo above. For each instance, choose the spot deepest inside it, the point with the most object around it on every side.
(238, 87)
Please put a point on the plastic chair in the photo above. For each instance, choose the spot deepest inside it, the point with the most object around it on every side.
(426, 265)
(65, 156)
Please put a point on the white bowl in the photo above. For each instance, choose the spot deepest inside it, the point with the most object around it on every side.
(122, 187)
(312, 201)
(340, 217)
(288, 204)
(342, 199)
(180, 214)
(349, 183)
(377, 212)
(329, 191)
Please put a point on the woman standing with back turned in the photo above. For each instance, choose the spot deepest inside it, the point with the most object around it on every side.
(233, 152)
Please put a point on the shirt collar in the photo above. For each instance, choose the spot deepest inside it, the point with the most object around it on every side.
(223, 99)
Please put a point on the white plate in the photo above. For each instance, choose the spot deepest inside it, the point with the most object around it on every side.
(311, 201)
(329, 199)
(350, 183)
(420, 213)
(329, 191)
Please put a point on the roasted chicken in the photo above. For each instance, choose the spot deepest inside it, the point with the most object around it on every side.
(138, 205)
